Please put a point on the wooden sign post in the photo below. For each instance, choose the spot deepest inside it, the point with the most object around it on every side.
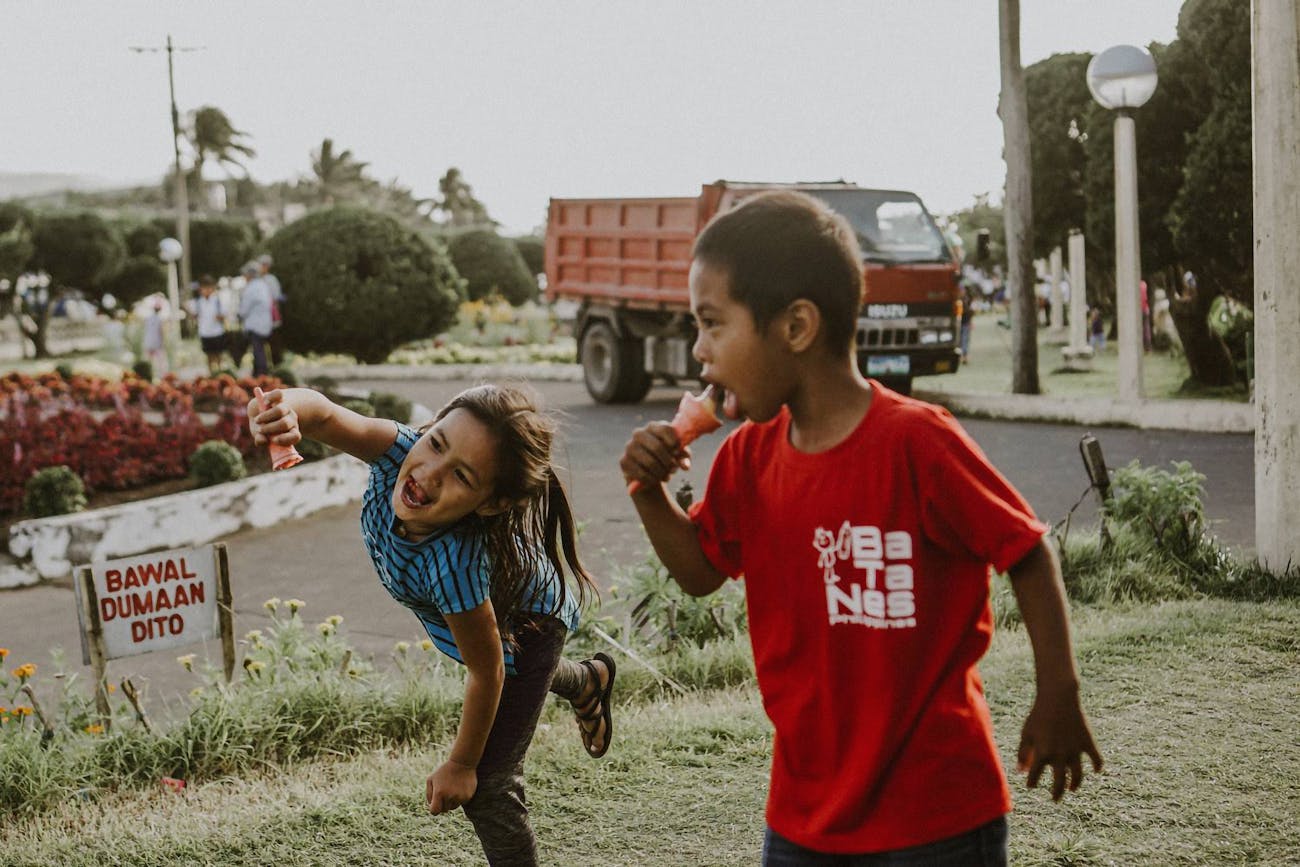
(155, 601)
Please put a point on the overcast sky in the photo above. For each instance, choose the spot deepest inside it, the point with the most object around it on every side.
(538, 99)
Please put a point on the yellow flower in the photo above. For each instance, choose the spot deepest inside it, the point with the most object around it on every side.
(22, 711)
(4, 651)
(111, 689)
(426, 644)
(334, 619)
(196, 692)
(23, 672)
(326, 629)
(253, 635)
(272, 604)
(401, 647)
(295, 604)
(187, 661)
(253, 666)
(94, 729)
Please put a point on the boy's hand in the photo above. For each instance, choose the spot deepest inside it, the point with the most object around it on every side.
(653, 454)
(449, 787)
(270, 419)
(1055, 735)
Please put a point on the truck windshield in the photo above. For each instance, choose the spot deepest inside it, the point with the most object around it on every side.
(891, 226)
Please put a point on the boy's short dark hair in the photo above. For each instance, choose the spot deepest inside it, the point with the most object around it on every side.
(207, 280)
(783, 245)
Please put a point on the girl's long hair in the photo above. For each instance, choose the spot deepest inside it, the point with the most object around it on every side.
(539, 522)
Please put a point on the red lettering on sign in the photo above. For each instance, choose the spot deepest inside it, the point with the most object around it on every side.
(185, 573)
(113, 580)
(170, 573)
(107, 609)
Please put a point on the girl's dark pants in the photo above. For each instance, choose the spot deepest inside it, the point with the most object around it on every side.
(498, 810)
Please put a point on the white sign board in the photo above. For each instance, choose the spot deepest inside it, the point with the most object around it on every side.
(156, 601)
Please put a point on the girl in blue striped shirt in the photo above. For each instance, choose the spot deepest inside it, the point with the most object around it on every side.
(465, 520)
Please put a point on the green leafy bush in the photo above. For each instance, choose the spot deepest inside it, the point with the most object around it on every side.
(143, 368)
(216, 461)
(533, 251)
(53, 491)
(139, 277)
(1163, 506)
(359, 406)
(492, 266)
(360, 283)
(663, 614)
(64, 370)
(389, 405)
(220, 246)
(77, 250)
(285, 374)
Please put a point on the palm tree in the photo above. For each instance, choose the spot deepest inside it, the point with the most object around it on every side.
(335, 172)
(213, 136)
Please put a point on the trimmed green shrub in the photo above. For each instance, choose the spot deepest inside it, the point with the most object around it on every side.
(64, 370)
(216, 461)
(533, 251)
(359, 406)
(313, 450)
(389, 405)
(326, 385)
(361, 283)
(139, 277)
(285, 374)
(1163, 506)
(53, 491)
(220, 246)
(77, 250)
(492, 266)
(143, 368)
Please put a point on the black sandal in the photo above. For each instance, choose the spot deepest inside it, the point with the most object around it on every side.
(588, 713)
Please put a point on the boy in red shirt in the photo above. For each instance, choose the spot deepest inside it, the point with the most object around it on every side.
(864, 524)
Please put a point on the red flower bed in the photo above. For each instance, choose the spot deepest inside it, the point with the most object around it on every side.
(100, 428)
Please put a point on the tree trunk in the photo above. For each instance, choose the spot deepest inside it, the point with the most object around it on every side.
(1017, 210)
(35, 326)
(1208, 359)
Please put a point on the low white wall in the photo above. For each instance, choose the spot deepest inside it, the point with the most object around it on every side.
(49, 548)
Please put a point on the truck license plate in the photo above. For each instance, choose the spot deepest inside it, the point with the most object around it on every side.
(887, 365)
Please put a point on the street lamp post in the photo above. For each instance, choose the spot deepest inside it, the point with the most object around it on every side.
(1123, 78)
(171, 251)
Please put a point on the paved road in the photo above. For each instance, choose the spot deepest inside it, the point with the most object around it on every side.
(320, 559)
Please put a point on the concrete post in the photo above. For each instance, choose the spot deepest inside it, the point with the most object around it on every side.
(1078, 295)
(1127, 263)
(1057, 299)
(1275, 40)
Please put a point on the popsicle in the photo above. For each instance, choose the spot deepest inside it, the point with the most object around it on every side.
(282, 457)
(695, 417)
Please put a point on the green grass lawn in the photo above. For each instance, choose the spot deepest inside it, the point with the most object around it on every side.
(1193, 705)
(989, 370)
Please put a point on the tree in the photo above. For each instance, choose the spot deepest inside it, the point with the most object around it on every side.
(457, 202)
(1018, 204)
(336, 173)
(533, 251)
(138, 278)
(491, 265)
(213, 136)
(360, 282)
(78, 251)
(982, 216)
(16, 251)
(1057, 99)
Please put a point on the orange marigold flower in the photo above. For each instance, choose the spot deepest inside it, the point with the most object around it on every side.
(4, 651)
(94, 729)
(22, 710)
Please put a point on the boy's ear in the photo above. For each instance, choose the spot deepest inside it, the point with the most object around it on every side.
(801, 323)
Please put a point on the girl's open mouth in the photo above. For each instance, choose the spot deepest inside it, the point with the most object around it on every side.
(413, 496)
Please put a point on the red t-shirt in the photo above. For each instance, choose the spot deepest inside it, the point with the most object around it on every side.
(866, 572)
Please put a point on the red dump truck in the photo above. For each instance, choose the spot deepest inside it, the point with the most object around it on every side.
(625, 263)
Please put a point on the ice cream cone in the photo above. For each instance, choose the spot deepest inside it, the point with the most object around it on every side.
(282, 457)
(695, 417)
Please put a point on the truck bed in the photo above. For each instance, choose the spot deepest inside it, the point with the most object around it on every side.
(625, 252)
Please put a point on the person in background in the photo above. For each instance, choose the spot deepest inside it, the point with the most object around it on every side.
(255, 315)
(1096, 330)
(154, 343)
(275, 347)
(967, 320)
(211, 320)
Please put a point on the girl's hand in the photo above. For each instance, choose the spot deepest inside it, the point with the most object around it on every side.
(270, 418)
(449, 787)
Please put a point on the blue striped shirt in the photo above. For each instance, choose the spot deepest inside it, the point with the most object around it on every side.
(448, 572)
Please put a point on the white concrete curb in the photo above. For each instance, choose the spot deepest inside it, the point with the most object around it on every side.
(444, 372)
(1204, 416)
(49, 548)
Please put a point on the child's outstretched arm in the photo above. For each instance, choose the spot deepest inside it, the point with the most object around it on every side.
(286, 415)
(456, 780)
(1056, 733)
(651, 456)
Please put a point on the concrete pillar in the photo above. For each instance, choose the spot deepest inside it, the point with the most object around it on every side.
(1057, 299)
(1128, 266)
(1275, 42)
(1078, 295)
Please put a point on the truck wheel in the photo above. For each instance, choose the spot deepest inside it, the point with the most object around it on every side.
(613, 367)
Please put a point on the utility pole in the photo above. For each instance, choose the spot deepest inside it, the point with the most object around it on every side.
(1275, 70)
(182, 190)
